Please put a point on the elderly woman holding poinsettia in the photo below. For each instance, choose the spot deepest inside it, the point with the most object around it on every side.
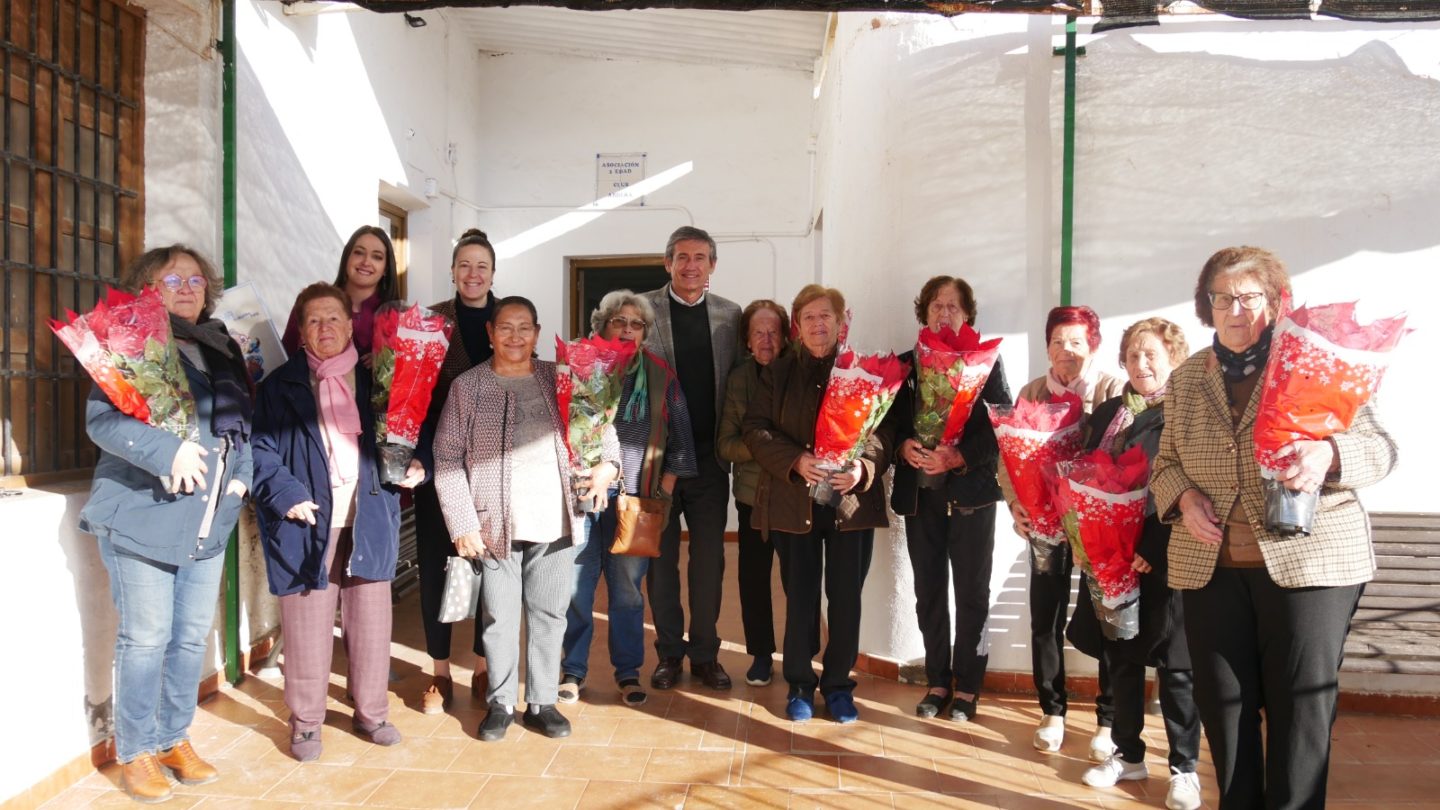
(946, 492)
(831, 544)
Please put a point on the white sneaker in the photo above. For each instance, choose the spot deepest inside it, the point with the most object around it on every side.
(1101, 746)
(1184, 793)
(1050, 734)
(1114, 769)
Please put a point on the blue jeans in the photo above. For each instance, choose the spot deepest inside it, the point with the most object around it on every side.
(623, 576)
(165, 615)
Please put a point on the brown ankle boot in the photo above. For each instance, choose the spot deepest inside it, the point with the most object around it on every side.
(187, 766)
(142, 779)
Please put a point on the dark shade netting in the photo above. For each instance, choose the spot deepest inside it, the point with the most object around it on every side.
(1380, 11)
(1127, 14)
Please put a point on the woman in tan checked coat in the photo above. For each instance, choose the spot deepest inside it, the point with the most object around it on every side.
(1266, 615)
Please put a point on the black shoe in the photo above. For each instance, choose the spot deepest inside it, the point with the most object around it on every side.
(963, 711)
(667, 672)
(711, 674)
(548, 721)
(931, 705)
(496, 721)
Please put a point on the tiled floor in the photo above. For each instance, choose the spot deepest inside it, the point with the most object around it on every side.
(697, 749)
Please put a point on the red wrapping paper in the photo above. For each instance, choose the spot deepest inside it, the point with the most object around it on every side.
(1033, 438)
(588, 382)
(1108, 496)
(125, 345)
(952, 368)
(860, 391)
(409, 346)
(1323, 367)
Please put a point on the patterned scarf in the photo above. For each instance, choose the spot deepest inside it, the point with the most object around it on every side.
(1081, 386)
(636, 406)
(1238, 365)
(339, 415)
(1132, 404)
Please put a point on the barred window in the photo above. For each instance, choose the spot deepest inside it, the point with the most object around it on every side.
(73, 150)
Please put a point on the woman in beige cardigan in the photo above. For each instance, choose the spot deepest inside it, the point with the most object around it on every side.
(1266, 615)
(1072, 334)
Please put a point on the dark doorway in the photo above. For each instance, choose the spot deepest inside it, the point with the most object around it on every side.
(592, 278)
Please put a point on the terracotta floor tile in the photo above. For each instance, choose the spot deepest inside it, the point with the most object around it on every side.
(590, 730)
(790, 771)
(656, 733)
(613, 763)
(229, 803)
(1384, 783)
(117, 800)
(840, 800)
(241, 778)
(74, 796)
(606, 795)
(709, 797)
(414, 754)
(936, 801)
(696, 767)
(971, 776)
(433, 791)
(889, 774)
(833, 738)
(457, 724)
(506, 757)
(1060, 776)
(313, 782)
(531, 792)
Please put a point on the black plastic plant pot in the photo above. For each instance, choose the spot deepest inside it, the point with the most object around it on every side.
(1289, 512)
(929, 480)
(825, 494)
(394, 460)
(584, 498)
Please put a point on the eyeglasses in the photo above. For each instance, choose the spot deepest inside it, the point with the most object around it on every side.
(1251, 301)
(620, 322)
(174, 282)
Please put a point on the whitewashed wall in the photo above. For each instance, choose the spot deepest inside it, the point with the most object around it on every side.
(940, 145)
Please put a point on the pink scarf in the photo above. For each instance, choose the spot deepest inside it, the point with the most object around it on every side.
(1081, 386)
(339, 415)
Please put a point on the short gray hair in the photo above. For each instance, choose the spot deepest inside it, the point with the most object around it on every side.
(686, 233)
(613, 302)
(141, 273)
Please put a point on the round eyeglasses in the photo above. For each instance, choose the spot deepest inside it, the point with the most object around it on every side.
(174, 282)
(1250, 301)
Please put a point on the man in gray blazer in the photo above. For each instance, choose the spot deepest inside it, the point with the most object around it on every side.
(696, 332)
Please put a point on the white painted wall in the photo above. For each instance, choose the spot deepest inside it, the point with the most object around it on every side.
(940, 153)
(737, 141)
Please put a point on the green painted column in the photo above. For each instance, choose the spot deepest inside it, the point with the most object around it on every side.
(1067, 188)
(228, 206)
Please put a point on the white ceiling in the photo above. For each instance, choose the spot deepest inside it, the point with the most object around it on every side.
(776, 39)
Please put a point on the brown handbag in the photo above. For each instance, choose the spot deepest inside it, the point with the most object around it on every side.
(639, 523)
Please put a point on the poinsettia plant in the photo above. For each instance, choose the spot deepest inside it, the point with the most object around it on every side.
(409, 346)
(126, 347)
(861, 389)
(1033, 437)
(589, 377)
(1323, 367)
(951, 370)
(1106, 496)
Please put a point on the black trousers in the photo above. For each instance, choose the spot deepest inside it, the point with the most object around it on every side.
(704, 501)
(955, 547)
(1177, 707)
(1257, 646)
(757, 556)
(432, 550)
(1049, 607)
(839, 560)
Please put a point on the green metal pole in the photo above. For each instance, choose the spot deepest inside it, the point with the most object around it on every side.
(228, 208)
(1067, 192)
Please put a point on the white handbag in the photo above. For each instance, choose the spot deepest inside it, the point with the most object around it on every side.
(462, 590)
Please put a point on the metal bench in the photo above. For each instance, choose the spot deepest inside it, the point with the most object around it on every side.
(1396, 628)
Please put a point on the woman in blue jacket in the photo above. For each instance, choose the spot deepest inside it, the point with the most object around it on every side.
(162, 509)
(329, 529)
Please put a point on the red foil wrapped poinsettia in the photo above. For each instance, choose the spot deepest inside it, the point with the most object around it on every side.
(952, 368)
(588, 382)
(861, 389)
(1033, 438)
(125, 345)
(1108, 495)
(409, 346)
(1323, 367)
